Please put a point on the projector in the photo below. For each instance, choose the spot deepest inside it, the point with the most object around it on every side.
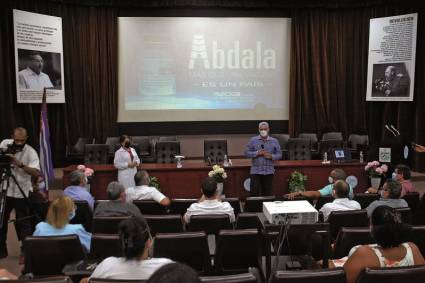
(295, 212)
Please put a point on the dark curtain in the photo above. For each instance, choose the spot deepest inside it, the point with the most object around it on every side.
(90, 65)
(328, 66)
(329, 58)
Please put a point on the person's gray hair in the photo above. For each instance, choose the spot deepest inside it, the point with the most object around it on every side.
(263, 124)
(141, 178)
(394, 188)
(114, 190)
(75, 177)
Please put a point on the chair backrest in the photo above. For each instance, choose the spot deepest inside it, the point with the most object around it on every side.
(417, 236)
(365, 199)
(235, 203)
(412, 200)
(237, 250)
(83, 214)
(166, 150)
(107, 225)
(354, 140)
(255, 204)
(420, 212)
(232, 278)
(323, 200)
(96, 153)
(302, 239)
(190, 248)
(209, 223)
(411, 274)
(406, 215)
(78, 147)
(312, 137)
(215, 150)
(349, 237)
(282, 139)
(49, 279)
(330, 145)
(171, 223)
(107, 280)
(299, 149)
(48, 255)
(167, 138)
(247, 220)
(350, 218)
(112, 143)
(332, 136)
(105, 245)
(180, 205)
(150, 207)
(142, 145)
(309, 276)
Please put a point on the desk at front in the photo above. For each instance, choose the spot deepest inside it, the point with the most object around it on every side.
(185, 182)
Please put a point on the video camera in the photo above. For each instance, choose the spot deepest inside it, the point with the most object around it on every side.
(5, 159)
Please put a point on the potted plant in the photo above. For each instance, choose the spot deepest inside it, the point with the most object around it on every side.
(297, 182)
(154, 182)
(219, 175)
(376, 172)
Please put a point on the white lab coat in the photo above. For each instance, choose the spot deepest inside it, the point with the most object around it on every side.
(125, 174)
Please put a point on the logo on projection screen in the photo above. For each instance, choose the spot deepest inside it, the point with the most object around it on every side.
(233, 58)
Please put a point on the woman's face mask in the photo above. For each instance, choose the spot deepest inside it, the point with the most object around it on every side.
(264, 133)
(330, 180)
(394, 176)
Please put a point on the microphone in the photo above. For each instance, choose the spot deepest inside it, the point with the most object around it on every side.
(395, 129)
(391, 131)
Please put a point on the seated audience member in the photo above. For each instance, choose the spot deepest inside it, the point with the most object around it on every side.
(142, 190)
(136, 264)
(340, 192)
(210, 202)
(60, 212)
(7, 275)
(335, 175)
(77, 190)
(391, 250)
(116, 206)
(174, 273)
(401, 174)
(390, 196)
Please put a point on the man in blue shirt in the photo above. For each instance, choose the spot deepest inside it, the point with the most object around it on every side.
(77, 190)
(263, 150)
(335, 175)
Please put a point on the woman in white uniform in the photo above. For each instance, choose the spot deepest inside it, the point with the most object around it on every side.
(126, 161)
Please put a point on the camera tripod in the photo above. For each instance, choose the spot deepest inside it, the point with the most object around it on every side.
(5, 177)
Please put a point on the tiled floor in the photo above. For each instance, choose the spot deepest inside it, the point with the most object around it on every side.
(11, 262)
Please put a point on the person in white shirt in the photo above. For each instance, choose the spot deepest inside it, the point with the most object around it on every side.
(340, 191)
(136, 264)
(126, 161)
(142, 191)
(24, 165)
(32, 77)
(210, 202)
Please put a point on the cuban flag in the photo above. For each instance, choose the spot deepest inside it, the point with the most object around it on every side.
(46, 163)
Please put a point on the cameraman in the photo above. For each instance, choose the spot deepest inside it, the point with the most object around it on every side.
(24, 165)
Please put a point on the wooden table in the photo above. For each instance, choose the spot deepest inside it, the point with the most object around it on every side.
(185, 182)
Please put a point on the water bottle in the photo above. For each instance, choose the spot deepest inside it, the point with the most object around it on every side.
(325, 157)
(361, 159)
(225, 161)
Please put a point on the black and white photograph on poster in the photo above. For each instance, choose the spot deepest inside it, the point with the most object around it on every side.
(38, 69)
(39, 63)
(392, 55)
(390, 80)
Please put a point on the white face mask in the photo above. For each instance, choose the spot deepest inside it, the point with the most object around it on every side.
(263, 133)
(381, 193)
(330, 180)
(72, 214)
(394, 176)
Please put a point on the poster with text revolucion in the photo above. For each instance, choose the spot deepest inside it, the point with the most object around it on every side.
(392, 51)
(38, 57)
